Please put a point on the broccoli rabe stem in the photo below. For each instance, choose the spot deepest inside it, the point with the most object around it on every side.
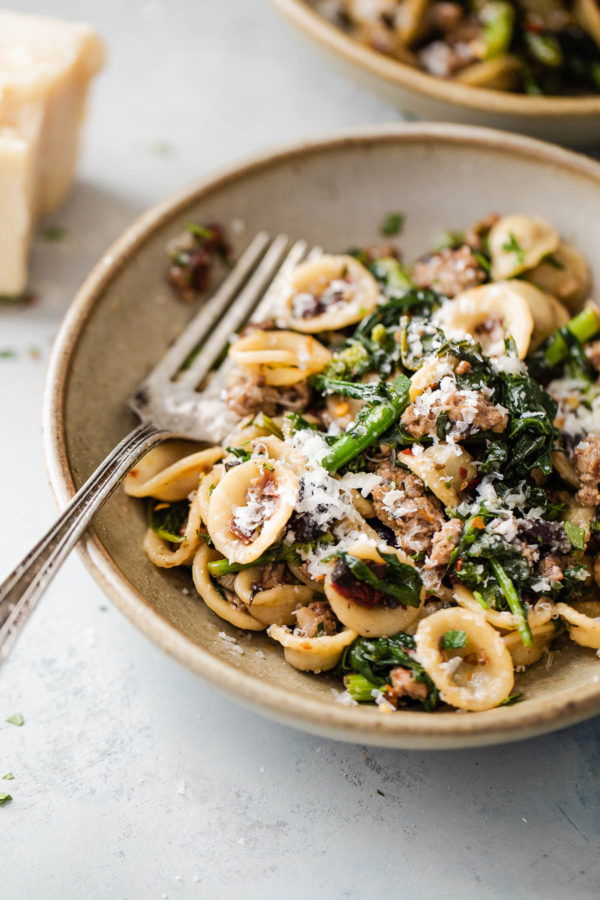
(360, 688)
(583, 327)
(280, 553)
(515, 604)
(370, 424)
(499, 19)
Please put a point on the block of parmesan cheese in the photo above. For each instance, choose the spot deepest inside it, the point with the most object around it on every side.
(45, 70)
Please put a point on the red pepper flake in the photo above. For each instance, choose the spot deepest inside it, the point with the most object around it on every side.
(478, 523)
(534, 27)
(459, 564)
(462, 472)
(133, 473)
(407, 452)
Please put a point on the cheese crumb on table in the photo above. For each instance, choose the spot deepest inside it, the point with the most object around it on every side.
(45, 70)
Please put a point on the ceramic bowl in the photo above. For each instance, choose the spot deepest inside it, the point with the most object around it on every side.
(572, 121)
(334, 192)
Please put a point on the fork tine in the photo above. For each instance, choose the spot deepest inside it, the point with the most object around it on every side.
(265, 308)
(238, 313)
(210, 312)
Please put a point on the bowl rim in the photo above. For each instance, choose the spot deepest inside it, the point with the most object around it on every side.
(403, 75)
(410, 730)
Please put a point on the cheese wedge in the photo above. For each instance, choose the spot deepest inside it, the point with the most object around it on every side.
(45, 70)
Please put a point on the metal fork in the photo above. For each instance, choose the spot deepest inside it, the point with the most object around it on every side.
(168, 404)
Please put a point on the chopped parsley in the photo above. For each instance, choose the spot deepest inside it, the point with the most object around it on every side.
(513, 246)
(16, 719)
(8, 777)
(454, 640)
(576, 535)
(392, 224)
(511, 700)
(5, 798)
(54, 233)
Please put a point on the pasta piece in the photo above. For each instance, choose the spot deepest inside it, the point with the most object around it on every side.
(566, 275)
(215, 598)
(540, 614)
(275, 605)
(583, 620)
(483, 676)
(249, 431)
(329, 293)
(302, 575)
(430, 374)
(274, 448)
(249, 508)
(581, 516)
(168, 474)
(446, 469)
(587, 15)
(205, 489)
(521, 655)
(283, 358)
(166, 555)
(566, 470)
(500, 74)
(371, 621)
(518, 243)
(316, 654)
(488, 314)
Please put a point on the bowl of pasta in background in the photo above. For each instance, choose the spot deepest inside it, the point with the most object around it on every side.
(569, 120)
(334, 192)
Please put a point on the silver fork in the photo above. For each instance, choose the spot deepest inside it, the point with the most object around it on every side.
(168, 404)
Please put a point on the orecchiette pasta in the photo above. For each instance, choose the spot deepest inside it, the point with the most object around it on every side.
(329, 293)
(489, 314)
(566, 276)
(282, 357)
(227, 607)
(527, 656)
(311, 654)
(364, 619)
(478, 676)
(167, 474)
(410, 500)
(249, 508)
(583, 622)
(518, 243)
(446, 469)
(272, 605)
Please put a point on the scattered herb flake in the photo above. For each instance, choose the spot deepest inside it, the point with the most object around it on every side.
(381, 794)
(392, 224)
(8, 777)
(7, 354)
(454, 640)
(513, 246)
(511, 700)
(5, 798)
(54, 233)
(576, 535)
(16, 719)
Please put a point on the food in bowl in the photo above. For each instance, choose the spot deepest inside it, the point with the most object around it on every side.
(408, 496)
(538, 47)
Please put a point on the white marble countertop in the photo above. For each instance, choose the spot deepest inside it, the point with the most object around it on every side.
(132, 778)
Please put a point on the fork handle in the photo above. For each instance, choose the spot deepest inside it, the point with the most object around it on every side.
(22, 589)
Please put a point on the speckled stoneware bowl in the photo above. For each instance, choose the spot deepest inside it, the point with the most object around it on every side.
(333, 192)
(572, 121)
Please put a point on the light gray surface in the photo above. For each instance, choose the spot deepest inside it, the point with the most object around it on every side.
(132, 779)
